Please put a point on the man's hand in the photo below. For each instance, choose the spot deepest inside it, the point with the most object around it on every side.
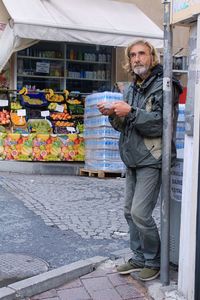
(106, 109)
(121, 108)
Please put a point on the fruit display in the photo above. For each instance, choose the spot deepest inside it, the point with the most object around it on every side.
(64, 124)
(44, 129)
(80, 127)
(60, 116)
(52, 97)
(16, 120)
(33, 100)
(74, 101)
(15, 105)
(39, 126)
(4, 117)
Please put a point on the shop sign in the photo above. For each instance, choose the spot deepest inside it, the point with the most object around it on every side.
(42, 67)
(183, 10)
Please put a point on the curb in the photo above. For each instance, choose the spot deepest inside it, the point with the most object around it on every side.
(42, 168)
(51, 279)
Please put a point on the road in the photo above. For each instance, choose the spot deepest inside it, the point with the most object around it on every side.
(62, 219)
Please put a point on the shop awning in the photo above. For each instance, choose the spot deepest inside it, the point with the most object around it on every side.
(104, 22)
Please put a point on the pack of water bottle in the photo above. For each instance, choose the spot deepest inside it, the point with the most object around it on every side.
(181, 113)
(91, 111)
(102, 143)
(180, 131)
(113, 166)
(101, 132)
(102, 154)
(101, 139)
(107, 97)
(96, 121)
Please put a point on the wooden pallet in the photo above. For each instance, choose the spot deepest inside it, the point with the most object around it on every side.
(99, 173)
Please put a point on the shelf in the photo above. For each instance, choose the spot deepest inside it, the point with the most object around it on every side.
(40, 76)
(88, 79)
(60, 62)
(38, 57)
(87, 62)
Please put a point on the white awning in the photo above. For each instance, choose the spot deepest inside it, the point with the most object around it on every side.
(104, 22)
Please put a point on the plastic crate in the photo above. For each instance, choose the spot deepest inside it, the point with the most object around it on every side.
(33, 100)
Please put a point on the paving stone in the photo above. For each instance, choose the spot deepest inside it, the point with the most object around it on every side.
(117, 279)
(46, 295)
(128, 291)
(140, 298)
(48, 298)
(78, 293)
(97, 273)
(72, 284)
(95, 284)
(109, 294)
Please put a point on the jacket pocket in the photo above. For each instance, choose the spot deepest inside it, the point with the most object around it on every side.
(154, 145)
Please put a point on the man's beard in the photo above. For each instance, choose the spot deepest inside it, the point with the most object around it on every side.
(140, 70)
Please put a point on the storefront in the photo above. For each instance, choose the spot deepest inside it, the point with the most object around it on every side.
(56, 48)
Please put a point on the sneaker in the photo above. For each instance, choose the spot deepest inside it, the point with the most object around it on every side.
(147, 274)
(128, 267)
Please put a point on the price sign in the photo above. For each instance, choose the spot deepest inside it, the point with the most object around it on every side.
(71, 129)
(59, 108)
(3, 102)
(42, 67)
(45, 113)
(21, 112)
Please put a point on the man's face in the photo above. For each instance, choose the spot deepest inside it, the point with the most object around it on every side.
(140, 59)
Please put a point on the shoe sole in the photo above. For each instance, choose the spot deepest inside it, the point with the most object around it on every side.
(150, 278)
(129, 271)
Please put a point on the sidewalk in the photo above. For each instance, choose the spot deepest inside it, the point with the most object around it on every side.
(102, 284)
(91, 279)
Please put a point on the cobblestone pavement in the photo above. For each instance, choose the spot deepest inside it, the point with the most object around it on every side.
(91, 207)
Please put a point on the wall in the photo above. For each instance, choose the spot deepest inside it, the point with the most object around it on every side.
(154, 10)
(3, 13)
(3, 17)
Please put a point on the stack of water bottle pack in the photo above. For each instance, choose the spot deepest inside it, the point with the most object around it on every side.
(180, 131)
(101, 140)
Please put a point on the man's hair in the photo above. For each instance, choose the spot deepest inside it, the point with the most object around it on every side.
(153, 52)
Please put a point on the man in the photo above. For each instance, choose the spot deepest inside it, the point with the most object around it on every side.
(140, 121)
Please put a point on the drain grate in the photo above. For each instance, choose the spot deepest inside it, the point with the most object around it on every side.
(15, 267)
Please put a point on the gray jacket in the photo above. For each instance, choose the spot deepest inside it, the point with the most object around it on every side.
(140, 141)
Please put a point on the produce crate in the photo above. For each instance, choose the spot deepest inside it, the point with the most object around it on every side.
(39, 126)
(33, 100)
(76, 109)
